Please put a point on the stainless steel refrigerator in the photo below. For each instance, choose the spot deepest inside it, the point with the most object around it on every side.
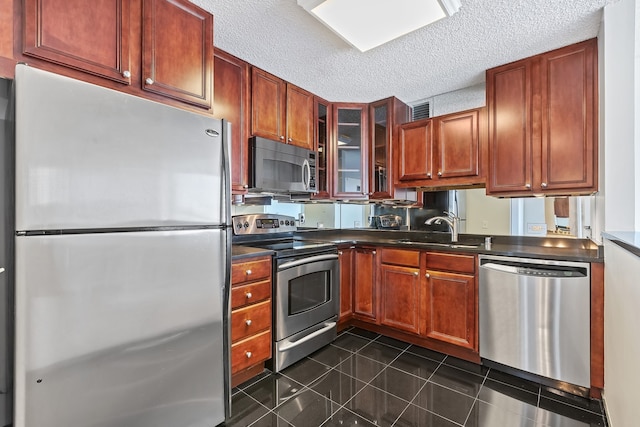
(122, 259)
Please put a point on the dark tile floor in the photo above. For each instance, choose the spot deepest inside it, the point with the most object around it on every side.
(365, 379)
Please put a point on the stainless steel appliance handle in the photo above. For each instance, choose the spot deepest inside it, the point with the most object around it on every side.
(306, 176)
(290, 345)
(500, 267)
(307, 261)
(226, 171)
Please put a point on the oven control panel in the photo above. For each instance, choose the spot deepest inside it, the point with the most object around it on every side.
(263, 224)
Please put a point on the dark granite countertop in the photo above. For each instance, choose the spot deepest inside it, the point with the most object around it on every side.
(241, 251)
(556, 248)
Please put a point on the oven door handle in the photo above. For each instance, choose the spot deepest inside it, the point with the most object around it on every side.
(302, 261)
(289, 345)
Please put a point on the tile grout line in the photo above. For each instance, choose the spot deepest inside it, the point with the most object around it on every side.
(476, 400)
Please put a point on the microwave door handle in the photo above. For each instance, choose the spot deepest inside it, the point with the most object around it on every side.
(306, 174)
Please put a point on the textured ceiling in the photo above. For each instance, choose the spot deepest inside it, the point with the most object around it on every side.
(283, 39)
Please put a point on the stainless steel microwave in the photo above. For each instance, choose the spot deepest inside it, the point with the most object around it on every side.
(281, 168)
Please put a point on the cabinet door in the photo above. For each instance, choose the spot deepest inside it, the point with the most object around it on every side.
(177, 51)
(268, 103)
(322, 129)
(230, 102)
(399, 294)
(569, 118)
(346, 283)
(415, 152)
(510, 109)
(451, 308)
(350, 151)
(458, 145)
(365, 298)
(88, 36)
(299, 117)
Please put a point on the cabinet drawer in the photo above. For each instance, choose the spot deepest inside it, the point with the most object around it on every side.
(451, 262)
(250, 294)
(400, 257)
(250, 351)
(248, 271)
(249, 320)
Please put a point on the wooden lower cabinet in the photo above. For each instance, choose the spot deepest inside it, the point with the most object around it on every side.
(365, 286)
(250, 317)
(450, 300)
(346, 257)
(399, 288)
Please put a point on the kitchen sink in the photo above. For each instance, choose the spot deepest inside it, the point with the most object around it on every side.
(455, 245)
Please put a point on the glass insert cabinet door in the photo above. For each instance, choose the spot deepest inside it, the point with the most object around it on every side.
(351, 177)
(323, 116)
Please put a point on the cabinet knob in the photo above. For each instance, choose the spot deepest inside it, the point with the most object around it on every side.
(429, 175)
(439, 173)
(290, 139)
(282, 137)
(427, 275)
(373, 252)
(248, 322)
(415, 273)
(527, 186)
(248, 354)
(543, 185)
(248, 272)
(126, 74)
(245, 186)
(339, 252)
(148, 81)
(248, 295)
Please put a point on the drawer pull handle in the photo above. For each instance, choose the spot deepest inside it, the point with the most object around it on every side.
(248, 322)
(248, 272)
(248, 295)
(248, 354)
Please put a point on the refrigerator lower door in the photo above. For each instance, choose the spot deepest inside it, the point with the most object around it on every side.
(120, 329)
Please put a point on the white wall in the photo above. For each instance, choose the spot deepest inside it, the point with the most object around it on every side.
(618, 106)
(619, 97)
(491, 215)
(621, 343)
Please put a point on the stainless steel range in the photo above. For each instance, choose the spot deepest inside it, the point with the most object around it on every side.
(305, 285)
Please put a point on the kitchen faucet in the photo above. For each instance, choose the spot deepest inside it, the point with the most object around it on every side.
(451, 220)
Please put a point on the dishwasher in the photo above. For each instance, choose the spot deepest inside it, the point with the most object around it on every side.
(535, 316)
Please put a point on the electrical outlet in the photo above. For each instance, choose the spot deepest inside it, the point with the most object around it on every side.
(485, 224)
(301, 218)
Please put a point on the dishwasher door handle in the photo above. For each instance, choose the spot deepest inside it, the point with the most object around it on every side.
(500, 267)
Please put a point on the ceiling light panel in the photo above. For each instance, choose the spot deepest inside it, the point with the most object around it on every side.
(366, 24)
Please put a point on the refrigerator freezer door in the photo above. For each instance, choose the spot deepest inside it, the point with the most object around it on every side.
(89, 157)
(120, 329)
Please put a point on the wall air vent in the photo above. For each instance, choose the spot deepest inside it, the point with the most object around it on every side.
(421, 110)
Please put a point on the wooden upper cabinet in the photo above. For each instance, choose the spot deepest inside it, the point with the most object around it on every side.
(281, 111)
(231, 102)
(268, 105)
(458, 144)
(299, 117)
(415, 152)
(444, 150)
(569, 118)
(543, 135)
(322, 114)
(509, 101)
(92, 37)
(349, 151)
(384, 115)
(177, 51)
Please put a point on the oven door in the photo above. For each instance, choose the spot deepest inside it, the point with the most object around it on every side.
(307, 292)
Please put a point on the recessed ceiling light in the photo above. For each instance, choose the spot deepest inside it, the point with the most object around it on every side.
(366, 24)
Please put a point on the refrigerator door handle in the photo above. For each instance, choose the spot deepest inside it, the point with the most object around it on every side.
(226, 173)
